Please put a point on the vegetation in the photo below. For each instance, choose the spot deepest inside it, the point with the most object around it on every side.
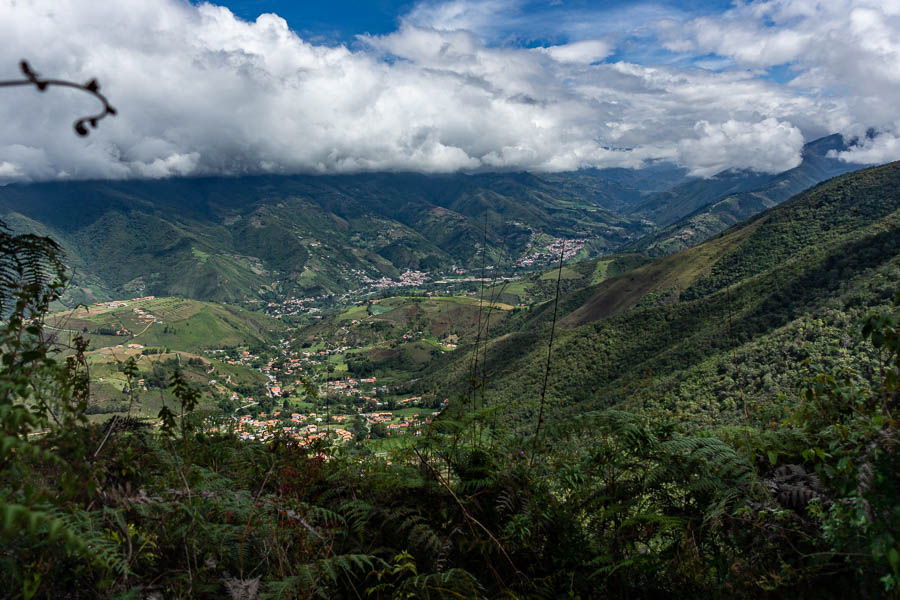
(267, 238)
(721, 423)
(175, 323)
(262, 237)
(623, 505)
(733, 318)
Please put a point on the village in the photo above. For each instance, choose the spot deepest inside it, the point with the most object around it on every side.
(304, 402)
(302, 392)
(543, 257)
(310, 427)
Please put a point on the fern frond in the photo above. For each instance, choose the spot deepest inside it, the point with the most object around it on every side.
(454, 583)
(318, 578)
(56, 526)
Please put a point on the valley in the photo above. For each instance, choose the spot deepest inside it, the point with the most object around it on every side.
(723, 389)
(450, 300)
(310, 365)
(327, 238)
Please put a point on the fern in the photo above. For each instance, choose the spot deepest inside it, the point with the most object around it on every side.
(355, 514)
(76, 535)
(454, 583)
(318, 579)
(26, 261)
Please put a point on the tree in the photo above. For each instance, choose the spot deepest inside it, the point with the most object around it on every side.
(379, 430)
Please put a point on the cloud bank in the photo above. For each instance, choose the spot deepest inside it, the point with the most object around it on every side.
(202, 92)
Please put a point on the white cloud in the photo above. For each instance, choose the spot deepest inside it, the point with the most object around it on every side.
(884, 147)
(202, 92)
(767, 145)
(585, 51)
(477, 16)
(845, 53)
(9, 170)
(174, 164)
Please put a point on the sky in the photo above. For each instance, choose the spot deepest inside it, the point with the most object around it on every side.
(436, 86)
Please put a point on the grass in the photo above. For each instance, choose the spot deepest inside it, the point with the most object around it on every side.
(567, 273)
(192, 327)
(391, 443)
(676, 272)
(200, 255)
(176, 323)
(107, 383)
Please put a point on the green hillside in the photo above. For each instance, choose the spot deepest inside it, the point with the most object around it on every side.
(703, 319)
(719, 423)
(398, 337)
(541, 286)
(233, 239)
(215, 380)
(175, 323)
(162, 335)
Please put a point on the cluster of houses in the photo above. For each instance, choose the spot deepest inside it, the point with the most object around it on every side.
(292, 307)
(406, 279)
(299, 428)
(569, 248)
(113, 304)
(145, 316)
(307, 427)
(351, 386)
(404, 426)
(242, 359)
(121, 303)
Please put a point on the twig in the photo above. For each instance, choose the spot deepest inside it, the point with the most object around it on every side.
(537, 431)
(109, 430)
(91, 87)
(250, 520)
(469, 518)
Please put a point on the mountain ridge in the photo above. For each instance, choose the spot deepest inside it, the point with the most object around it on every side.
(830, 251)
(264, 237)
(698, 216)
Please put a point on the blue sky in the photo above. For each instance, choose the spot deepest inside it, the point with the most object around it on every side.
(337, 21)
(529, 23)
(519, 23)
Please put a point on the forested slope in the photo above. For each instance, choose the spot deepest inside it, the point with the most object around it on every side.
(815, 263)
(655, 499)
(230, 239)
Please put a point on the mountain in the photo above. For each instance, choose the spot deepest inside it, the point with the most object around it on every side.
(717, 327)
(692, 212)
(232, 239)
(541, 286)
(618, 189)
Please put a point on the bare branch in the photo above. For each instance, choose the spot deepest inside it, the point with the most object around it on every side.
(91, 87)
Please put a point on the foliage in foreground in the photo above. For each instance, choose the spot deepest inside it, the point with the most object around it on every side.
(613, 505)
